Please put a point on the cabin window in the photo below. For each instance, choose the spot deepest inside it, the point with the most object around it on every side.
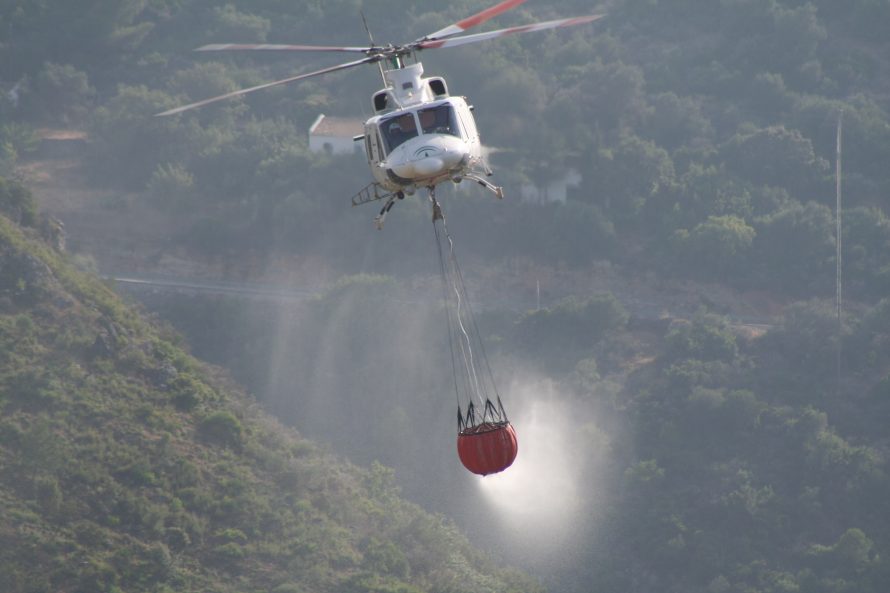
(437, 85)
(380, 102)
(438, 120)
(398, 129)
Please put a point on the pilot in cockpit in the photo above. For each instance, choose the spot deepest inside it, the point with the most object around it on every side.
(436, 120)
(399, 129)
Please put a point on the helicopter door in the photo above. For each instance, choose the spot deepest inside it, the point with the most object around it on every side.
(373, 145)
(468, 122)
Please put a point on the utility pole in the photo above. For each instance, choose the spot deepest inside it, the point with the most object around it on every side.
(838, 246)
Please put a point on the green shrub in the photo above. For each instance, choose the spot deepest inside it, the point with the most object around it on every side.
(17, 202)
(222, 428)
(228, 552)
(170, 183)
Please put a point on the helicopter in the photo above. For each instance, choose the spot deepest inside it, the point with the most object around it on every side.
(420, 135)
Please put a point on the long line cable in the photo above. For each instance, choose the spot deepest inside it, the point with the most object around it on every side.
(445, 303)
(476, 331)
(463, 333)
(457, 330)
(460, 296)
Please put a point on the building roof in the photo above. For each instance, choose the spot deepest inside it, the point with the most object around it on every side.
(54, 134)
(338, 127)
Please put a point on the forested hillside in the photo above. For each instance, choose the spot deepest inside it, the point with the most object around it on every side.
(703, 131)
(698, 454)
(126, 465)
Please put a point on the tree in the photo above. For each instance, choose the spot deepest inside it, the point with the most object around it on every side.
(867, 251)
(774, 156)
(718, 248)
(38, 31)
(625, 177)
(800, 353)
(128, 143)
(795, 248)
(605, 97)
(563, 334)
(230, 23)
(703, 191)
(677, 121)
(707, 338)
(207, 79)
(223, 428)
(17, 202)
(579, 233)
(60, 93)
(852, 553)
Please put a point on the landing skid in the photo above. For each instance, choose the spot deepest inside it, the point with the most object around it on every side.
(495, 189)
(373, 193)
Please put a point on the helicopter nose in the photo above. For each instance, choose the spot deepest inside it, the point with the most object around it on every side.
(428, 156)
(429, 166)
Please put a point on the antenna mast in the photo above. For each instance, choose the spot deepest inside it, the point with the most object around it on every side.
(839, 245)
(371, 38)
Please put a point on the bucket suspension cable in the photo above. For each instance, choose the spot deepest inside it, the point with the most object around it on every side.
(475, 390)
(437, 214)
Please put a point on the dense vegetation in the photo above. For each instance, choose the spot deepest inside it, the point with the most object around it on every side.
(733, 462)
(704, 132)
(126, 465)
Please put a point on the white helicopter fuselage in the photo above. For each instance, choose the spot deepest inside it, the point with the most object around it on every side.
(421, 136)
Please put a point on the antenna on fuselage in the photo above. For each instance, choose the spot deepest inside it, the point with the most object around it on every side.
(371, 38)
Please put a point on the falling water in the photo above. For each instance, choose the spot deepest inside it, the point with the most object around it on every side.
(546, 502)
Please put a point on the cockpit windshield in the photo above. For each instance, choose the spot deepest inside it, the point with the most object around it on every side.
(433, 120)
(438, 120)
(398, 129)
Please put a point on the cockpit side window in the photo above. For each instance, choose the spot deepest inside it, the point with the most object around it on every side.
(398, 129)
(438, 120)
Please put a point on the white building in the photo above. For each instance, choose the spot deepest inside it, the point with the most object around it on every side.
(556, 191)
(334, 135)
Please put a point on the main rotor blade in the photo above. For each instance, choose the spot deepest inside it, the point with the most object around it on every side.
(267, 85)
(455, 41)
(279, 47)
(472, 21)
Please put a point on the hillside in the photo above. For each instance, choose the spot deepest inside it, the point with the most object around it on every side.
(126, 465)
(662, 447)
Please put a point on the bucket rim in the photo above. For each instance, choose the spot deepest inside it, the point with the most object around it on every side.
(483, 428)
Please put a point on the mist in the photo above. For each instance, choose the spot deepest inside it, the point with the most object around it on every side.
(655, 291)
(547, 503)
(364, 367)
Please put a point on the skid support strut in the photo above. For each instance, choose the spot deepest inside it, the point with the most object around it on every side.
(390, 202)
(495, 189)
